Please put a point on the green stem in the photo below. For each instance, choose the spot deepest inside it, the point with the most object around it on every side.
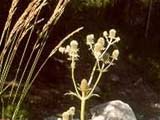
(92, 73)
(97, 81)
(83, 103)
(73, 78)
(109, 44)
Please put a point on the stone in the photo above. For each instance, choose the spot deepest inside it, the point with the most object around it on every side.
(113, 110)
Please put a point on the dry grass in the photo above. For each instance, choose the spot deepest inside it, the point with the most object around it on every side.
(11, 40)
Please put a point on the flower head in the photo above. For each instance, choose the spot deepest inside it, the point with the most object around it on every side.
(112, 33)
(98, 47)
(90, 39)
(115, 54)
(74, 44)
(105, 34)
(73, 50)
(101, 41)
(117, 39)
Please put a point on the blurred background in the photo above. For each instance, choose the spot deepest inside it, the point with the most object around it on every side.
(135, 79)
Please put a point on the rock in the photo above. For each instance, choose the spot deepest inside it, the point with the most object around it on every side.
(56, 118)
(51, 118)
(113, 110)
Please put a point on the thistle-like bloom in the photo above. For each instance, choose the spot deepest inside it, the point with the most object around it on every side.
(74, 44)
(73, 51)
(117, 39)
(112, 33)
(105, 34)
(90, 39)
(101, 41)
(98, 47)
(115, 54)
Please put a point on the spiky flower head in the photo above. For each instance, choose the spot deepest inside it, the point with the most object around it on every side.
(74, 45)
(90, 39)
(117, 39)
(105, 34)
(115, 54)
(101, 41)
(98, 47)
(112, 33)
(73, 51)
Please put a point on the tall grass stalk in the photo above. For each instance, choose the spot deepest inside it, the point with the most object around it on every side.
(10, 41)
(8, 21)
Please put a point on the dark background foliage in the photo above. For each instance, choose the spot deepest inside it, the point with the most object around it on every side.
(137, 72)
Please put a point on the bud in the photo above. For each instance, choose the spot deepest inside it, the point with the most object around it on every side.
(115, 54)
(84, 85)
(67, 49)
(117, 39)
(105, 34)
(90, 39)
(112, 33)
(61, 50)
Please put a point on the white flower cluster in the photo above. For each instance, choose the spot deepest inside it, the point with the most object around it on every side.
(100, 47)
(71, 50)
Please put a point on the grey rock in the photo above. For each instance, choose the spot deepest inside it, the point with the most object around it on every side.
(56, 118)
(51, 118)
(113, 110)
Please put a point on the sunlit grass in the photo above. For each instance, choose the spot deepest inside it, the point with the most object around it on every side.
(12, 38)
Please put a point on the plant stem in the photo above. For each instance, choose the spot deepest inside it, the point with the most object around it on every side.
(109, 44)
(83, 103)
(92, 73)
(73, 78)
(97, 81)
